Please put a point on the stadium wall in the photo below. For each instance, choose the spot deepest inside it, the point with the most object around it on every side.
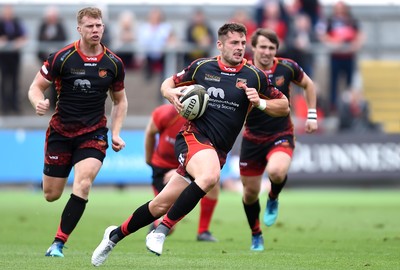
(342, 159)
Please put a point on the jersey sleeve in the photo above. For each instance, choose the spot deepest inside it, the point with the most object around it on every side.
(186, 76)
(297, 71)
(49, 69)
(163, 116)
(269, 91)
(119, 80)
(157, 117)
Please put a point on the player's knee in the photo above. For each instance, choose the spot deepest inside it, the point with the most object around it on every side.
(83, 186)
(51, 196)
(249, 196)
(208, 182)
(277, 175)
(158, 208)
(251, 190)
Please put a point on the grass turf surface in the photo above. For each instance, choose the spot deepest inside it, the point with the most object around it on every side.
(316, 229)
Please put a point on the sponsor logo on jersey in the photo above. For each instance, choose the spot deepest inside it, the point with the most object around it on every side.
(279, 81)
(101, 139)
(201, 62)
(230, 69)
(62, 58)
(284, 143)
(181, 159)
(78, 71)
(102, 143)
(82, 85)
(90, 64)
(53, 157)
(170, 140)
(217, 100)
(180, 73)
(213, 78)
(228, 74)
(102, 72)
(113, 57)
(44, 69)
(216, 92)
(92, 58)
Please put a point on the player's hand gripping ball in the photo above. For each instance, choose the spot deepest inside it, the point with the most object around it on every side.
(194, 101)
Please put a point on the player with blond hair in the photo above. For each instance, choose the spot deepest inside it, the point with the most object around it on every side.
(83, 74)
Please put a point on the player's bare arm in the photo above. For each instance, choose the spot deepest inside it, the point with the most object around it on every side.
(150, 140)
(118, 114)
(172, 93)
(310, 92)
(36, 94)
(277, 107)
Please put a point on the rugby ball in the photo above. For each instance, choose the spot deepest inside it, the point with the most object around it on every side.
(194, 101)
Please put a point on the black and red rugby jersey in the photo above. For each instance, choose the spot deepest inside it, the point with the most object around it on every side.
(82, 83)
(228, 104)
(261, 126)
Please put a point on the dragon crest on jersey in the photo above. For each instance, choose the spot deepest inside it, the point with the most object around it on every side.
(102, 73)
(240, 82)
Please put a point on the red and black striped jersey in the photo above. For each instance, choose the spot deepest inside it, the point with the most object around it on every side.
(262, 127)
(228, 103)
(82, 84)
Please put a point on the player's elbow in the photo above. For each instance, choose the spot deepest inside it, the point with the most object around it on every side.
(280, 113)
(283, 110)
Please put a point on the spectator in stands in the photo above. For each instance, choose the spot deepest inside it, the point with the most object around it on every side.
(311, 8)
(274, 19)
(354, 113)
(51, 37)
(200, 36)
(300, 40)
(259, 11)
(12, 39)
(241, 16)
(52, 34)
(154, 36)
(126, 36)
(344, 39)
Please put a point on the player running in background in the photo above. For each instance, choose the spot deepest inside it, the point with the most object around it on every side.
(160, 156)
(268, 142)
(203, 144)
(83, 73)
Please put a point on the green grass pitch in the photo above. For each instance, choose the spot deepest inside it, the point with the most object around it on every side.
(316, 229)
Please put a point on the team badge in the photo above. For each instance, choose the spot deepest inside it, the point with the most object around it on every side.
(241, 82)
(279, 81)
(102, 73)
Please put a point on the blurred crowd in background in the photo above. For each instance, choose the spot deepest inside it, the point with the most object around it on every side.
(303, 26)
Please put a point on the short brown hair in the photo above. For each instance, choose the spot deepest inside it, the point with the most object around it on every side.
(92, 12)
(231, 27)
(267, 33)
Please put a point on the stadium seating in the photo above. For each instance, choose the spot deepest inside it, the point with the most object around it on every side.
(382, 90)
